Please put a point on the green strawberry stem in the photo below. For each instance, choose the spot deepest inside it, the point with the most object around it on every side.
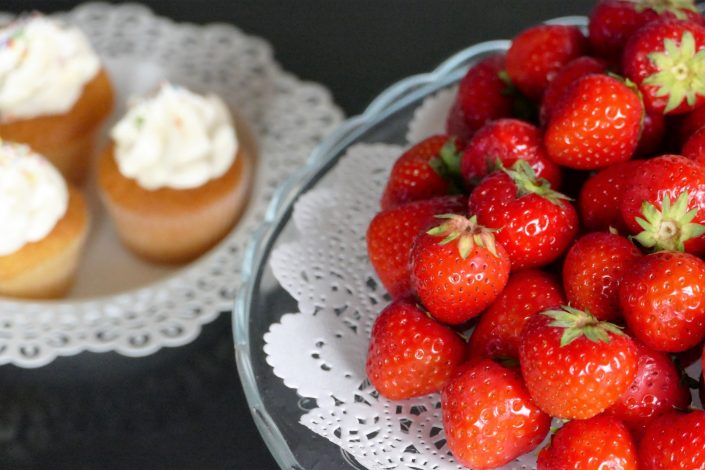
(677, 7)
(577, 323)
(447, 165)
(528, 183)
(450, 155)
(467, 232)
(507, 361)
(681, 71)
(669, 228)
(522, 107)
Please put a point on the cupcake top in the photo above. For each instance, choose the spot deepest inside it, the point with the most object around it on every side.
(43, 67)
(33, 197)
(175, 139)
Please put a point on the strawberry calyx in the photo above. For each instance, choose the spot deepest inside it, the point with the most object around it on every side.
(577, 323)
(447, 164)
(522, 107)
(680, 71)
(669, 228)
(507, 361)
(677, 7)
(467, 232)
(527, 182)
(509, 87)
(449, 158)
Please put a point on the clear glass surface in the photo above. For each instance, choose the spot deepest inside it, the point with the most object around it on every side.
(262, 301)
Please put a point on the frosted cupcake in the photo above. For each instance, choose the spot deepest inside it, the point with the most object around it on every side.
(174, 177)
(54, 93)
(44, 225)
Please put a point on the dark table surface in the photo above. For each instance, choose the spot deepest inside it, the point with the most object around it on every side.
(184, 408)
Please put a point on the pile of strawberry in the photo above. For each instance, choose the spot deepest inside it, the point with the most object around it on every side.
(544, 257)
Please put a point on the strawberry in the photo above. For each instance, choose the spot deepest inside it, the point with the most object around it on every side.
(663, 300)
(694, 147)
(652, 133)
(564, 77)
(457, 270)
(483, 95)
(391, 235)
(497, 333)
(424, 171)
(657, 389)
(593, 270)
(534, 223)
(596, 123)
(601, 196)
(537, 53)
(674, 441)
(661, 204)
(612, 22)
(664, 59)
(598, 443)
(506, 141)
(410, 354)
(489, 417)
(574, 365)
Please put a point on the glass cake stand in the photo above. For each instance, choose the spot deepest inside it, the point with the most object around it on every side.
(262, 301)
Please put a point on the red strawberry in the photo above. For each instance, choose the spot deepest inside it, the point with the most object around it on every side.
(593, 270)
(482, 96)
(663, 58)
(612, 22)
(564, 77)
(424, 171)
(497, 333)
(652, 133)
(535, 224)
(674, 441)
(657, 389)
(596, 123)
(537, 53)
(391, 235)
(663, 300)
(574, 365)
(598, 443)
(506, 141)
(410, 354)
(662, 202)
(694, 147)
(601, 196)
(457, 270)
(489, 417)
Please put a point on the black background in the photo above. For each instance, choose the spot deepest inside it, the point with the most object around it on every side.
(184, 408)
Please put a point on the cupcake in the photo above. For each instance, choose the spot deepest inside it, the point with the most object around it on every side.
(174, 177)
(44, 225)
(54, 93)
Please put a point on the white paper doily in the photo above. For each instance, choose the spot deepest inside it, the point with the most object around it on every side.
(320, 351)
(152, 306)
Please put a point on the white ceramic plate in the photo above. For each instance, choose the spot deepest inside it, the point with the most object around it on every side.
(119, 302)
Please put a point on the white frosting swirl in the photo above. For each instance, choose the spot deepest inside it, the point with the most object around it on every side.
(175, 139)
(33, 197)
(43, 67)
